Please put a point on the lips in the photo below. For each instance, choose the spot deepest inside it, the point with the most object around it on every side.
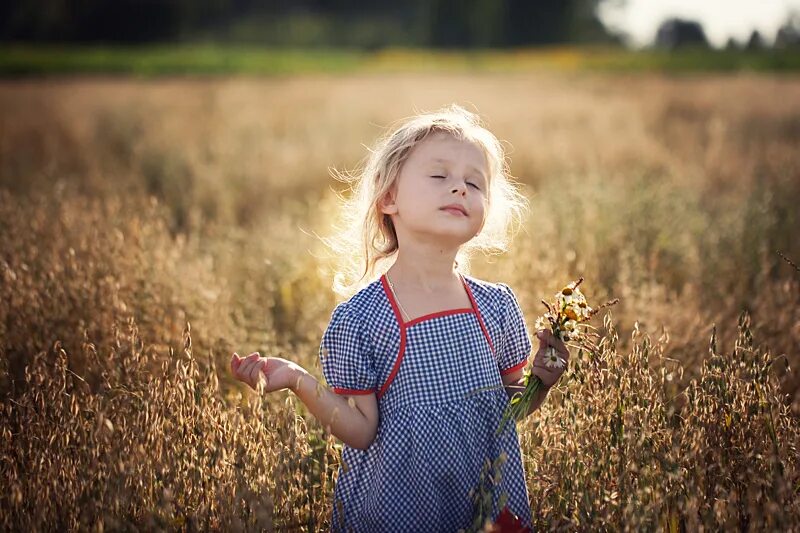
(455, 207)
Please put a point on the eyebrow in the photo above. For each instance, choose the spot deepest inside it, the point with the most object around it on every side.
(479, 171)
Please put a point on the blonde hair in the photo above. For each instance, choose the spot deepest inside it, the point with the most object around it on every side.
(367, 236)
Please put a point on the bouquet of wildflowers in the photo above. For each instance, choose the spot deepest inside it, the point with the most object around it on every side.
(566, 318)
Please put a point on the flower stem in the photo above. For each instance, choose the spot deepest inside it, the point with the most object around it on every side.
(520, 403)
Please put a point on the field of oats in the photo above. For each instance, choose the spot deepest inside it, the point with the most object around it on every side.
(148, 228)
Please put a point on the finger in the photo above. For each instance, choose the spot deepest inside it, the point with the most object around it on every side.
(548, 339)
(256, 372)
(238, 367)
(243, 362)
(250, 359)
(245, 368)
(235, 362)
(544, 337)
(547, 377)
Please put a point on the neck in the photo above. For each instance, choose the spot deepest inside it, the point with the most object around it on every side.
(428, 267)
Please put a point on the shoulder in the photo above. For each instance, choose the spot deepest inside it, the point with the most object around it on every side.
(494, 294)
(352, 321)
(360, 306)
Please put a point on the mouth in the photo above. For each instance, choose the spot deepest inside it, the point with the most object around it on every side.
(455, 210)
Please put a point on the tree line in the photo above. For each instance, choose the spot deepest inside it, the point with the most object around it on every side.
(679, 33)
(358, 23)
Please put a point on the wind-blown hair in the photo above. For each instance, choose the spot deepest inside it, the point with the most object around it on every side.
(366, 236)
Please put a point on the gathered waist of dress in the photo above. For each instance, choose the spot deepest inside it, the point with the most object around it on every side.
(494, 395)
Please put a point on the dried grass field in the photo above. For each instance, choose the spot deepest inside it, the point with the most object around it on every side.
(148, 228)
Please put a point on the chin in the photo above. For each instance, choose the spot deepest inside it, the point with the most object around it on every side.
(456, 239)
(447, 236)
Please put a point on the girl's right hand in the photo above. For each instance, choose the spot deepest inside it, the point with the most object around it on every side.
(276, 373)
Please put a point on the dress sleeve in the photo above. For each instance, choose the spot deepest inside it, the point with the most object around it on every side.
(346, 356)
(515, 346)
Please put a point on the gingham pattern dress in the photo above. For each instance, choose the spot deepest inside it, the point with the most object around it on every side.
(440, 396)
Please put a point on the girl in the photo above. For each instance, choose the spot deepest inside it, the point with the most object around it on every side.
(423, 360)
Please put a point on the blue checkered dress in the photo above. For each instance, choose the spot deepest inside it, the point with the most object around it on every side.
(440, 397)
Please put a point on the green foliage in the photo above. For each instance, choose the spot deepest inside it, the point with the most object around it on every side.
(163, 60)
(29, 60)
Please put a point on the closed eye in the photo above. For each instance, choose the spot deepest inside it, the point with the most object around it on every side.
(471, 184)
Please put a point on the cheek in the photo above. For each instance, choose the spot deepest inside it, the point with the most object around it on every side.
(485, 212)
(482, 205)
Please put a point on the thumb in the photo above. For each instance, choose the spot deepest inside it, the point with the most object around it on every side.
(235, 361)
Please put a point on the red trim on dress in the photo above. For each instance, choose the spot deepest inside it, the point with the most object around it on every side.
(402, 350)
(515, 367)
(478, 313)
(338, 390)
(404, 325)
(437, 315)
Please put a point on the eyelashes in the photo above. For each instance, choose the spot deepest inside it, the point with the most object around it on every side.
(469, 183)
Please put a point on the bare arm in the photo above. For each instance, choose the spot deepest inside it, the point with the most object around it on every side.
(548, 375)
(353, 419)
(514, 386)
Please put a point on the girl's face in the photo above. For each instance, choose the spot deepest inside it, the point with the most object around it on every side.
(441, 192)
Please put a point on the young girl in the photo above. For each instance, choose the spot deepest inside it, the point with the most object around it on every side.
(423, 360)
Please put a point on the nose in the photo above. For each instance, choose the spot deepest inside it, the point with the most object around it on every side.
(459, 187)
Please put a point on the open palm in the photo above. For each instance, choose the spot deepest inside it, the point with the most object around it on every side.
(274, 373)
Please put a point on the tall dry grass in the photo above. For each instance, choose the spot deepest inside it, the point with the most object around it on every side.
(130, 209)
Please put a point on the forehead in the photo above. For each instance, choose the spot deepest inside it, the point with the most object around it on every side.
(443, 148)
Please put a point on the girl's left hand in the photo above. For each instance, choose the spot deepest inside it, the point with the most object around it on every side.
(549, 373)
(274, 372)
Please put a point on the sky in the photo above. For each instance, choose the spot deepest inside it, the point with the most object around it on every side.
(721, 19)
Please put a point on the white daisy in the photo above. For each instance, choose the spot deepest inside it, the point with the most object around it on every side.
(542, 323)
(551, 359)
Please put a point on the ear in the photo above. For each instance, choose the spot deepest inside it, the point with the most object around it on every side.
(387, 204)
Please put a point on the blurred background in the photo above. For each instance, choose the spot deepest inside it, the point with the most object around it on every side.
(231, 36)
(380, 24)
(166, 173)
